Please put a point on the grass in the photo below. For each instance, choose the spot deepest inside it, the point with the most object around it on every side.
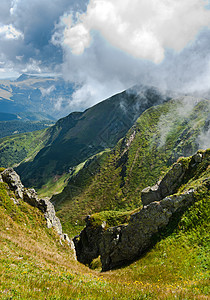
(34, 264)
(115, 182)
(21, 147)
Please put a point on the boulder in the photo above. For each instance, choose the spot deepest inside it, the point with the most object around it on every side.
(87, 243)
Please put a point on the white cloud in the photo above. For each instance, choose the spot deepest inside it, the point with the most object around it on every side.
(143, 29)
(47, 91)
(9, 32)
(33, 66)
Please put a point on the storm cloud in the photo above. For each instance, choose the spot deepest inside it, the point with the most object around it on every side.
(32, 24)
(104, 47)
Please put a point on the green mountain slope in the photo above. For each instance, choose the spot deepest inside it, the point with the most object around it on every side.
(158, 138)
(8, 128)
(81, 135)
(21, 147)
(35, 264)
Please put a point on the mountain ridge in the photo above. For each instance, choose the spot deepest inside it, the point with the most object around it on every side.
(81, 135)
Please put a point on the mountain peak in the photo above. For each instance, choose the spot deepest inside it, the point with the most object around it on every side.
(24, 76)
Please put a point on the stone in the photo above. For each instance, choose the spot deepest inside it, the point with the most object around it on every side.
(121, 244)
(1, 180)
(87, 243)
(13, 180)
(125, 243)
(170, 183)
(30, 196)
(197, 157)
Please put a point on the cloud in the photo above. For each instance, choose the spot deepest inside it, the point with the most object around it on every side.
(47, 91)
(10, 32)
(143, 29)
(26, 28)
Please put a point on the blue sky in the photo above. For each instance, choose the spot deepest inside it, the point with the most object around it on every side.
(108, 45)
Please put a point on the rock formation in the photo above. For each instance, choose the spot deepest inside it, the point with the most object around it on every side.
(30, 196)
(171, 181)
(120, 244)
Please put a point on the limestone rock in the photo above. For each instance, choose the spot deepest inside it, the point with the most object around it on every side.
(124, 243)
(170, 182)
(127, 242)
(87, 243)
(13, 180)
(30, 196)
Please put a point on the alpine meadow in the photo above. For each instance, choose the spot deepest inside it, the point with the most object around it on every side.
(104, 149)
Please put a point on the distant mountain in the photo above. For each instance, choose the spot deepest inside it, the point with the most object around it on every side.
(7, 117)
(81, 135)
(48, 95)
(114, 181)
(8, 128)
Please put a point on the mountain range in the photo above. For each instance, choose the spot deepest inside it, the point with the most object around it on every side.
(129, 180)
(80, 135)
(47, 97)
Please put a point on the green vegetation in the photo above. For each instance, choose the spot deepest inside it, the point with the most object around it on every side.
(79, 136)
(22, 147)
(56, 184)
(112, 218)
(157, 139)
(8, 128)
(35, 265)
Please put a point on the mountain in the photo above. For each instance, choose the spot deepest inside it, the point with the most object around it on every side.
(33, 94)
(35, 263)
(7, 117)
(114, 180)
(83, 134)
(8, 128)
(21, 147)
(186, 183)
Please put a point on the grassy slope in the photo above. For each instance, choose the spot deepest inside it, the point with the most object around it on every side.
(160, 138)
(34, 265)
(81, 135)
(8, 128)
(21, 147)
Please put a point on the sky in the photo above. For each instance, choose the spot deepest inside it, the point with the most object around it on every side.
(106, 46)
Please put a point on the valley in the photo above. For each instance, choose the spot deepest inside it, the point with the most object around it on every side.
(97, 163)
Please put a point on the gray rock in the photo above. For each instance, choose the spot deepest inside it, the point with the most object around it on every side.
(87, 243)
(170, 182)
(30, 196)
(197, 157)
(124, 243)
(13, 180)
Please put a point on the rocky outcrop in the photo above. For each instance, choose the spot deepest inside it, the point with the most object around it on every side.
(124, 243)
(30, 196)
(13, 180)
(171, 181)
(87, 243)
(121, 244)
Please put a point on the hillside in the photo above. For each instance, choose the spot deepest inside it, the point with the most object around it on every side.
(158, 138)
(78, 136)
(186, 182)
(21, 147)
(8, 128)
(36, 264)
